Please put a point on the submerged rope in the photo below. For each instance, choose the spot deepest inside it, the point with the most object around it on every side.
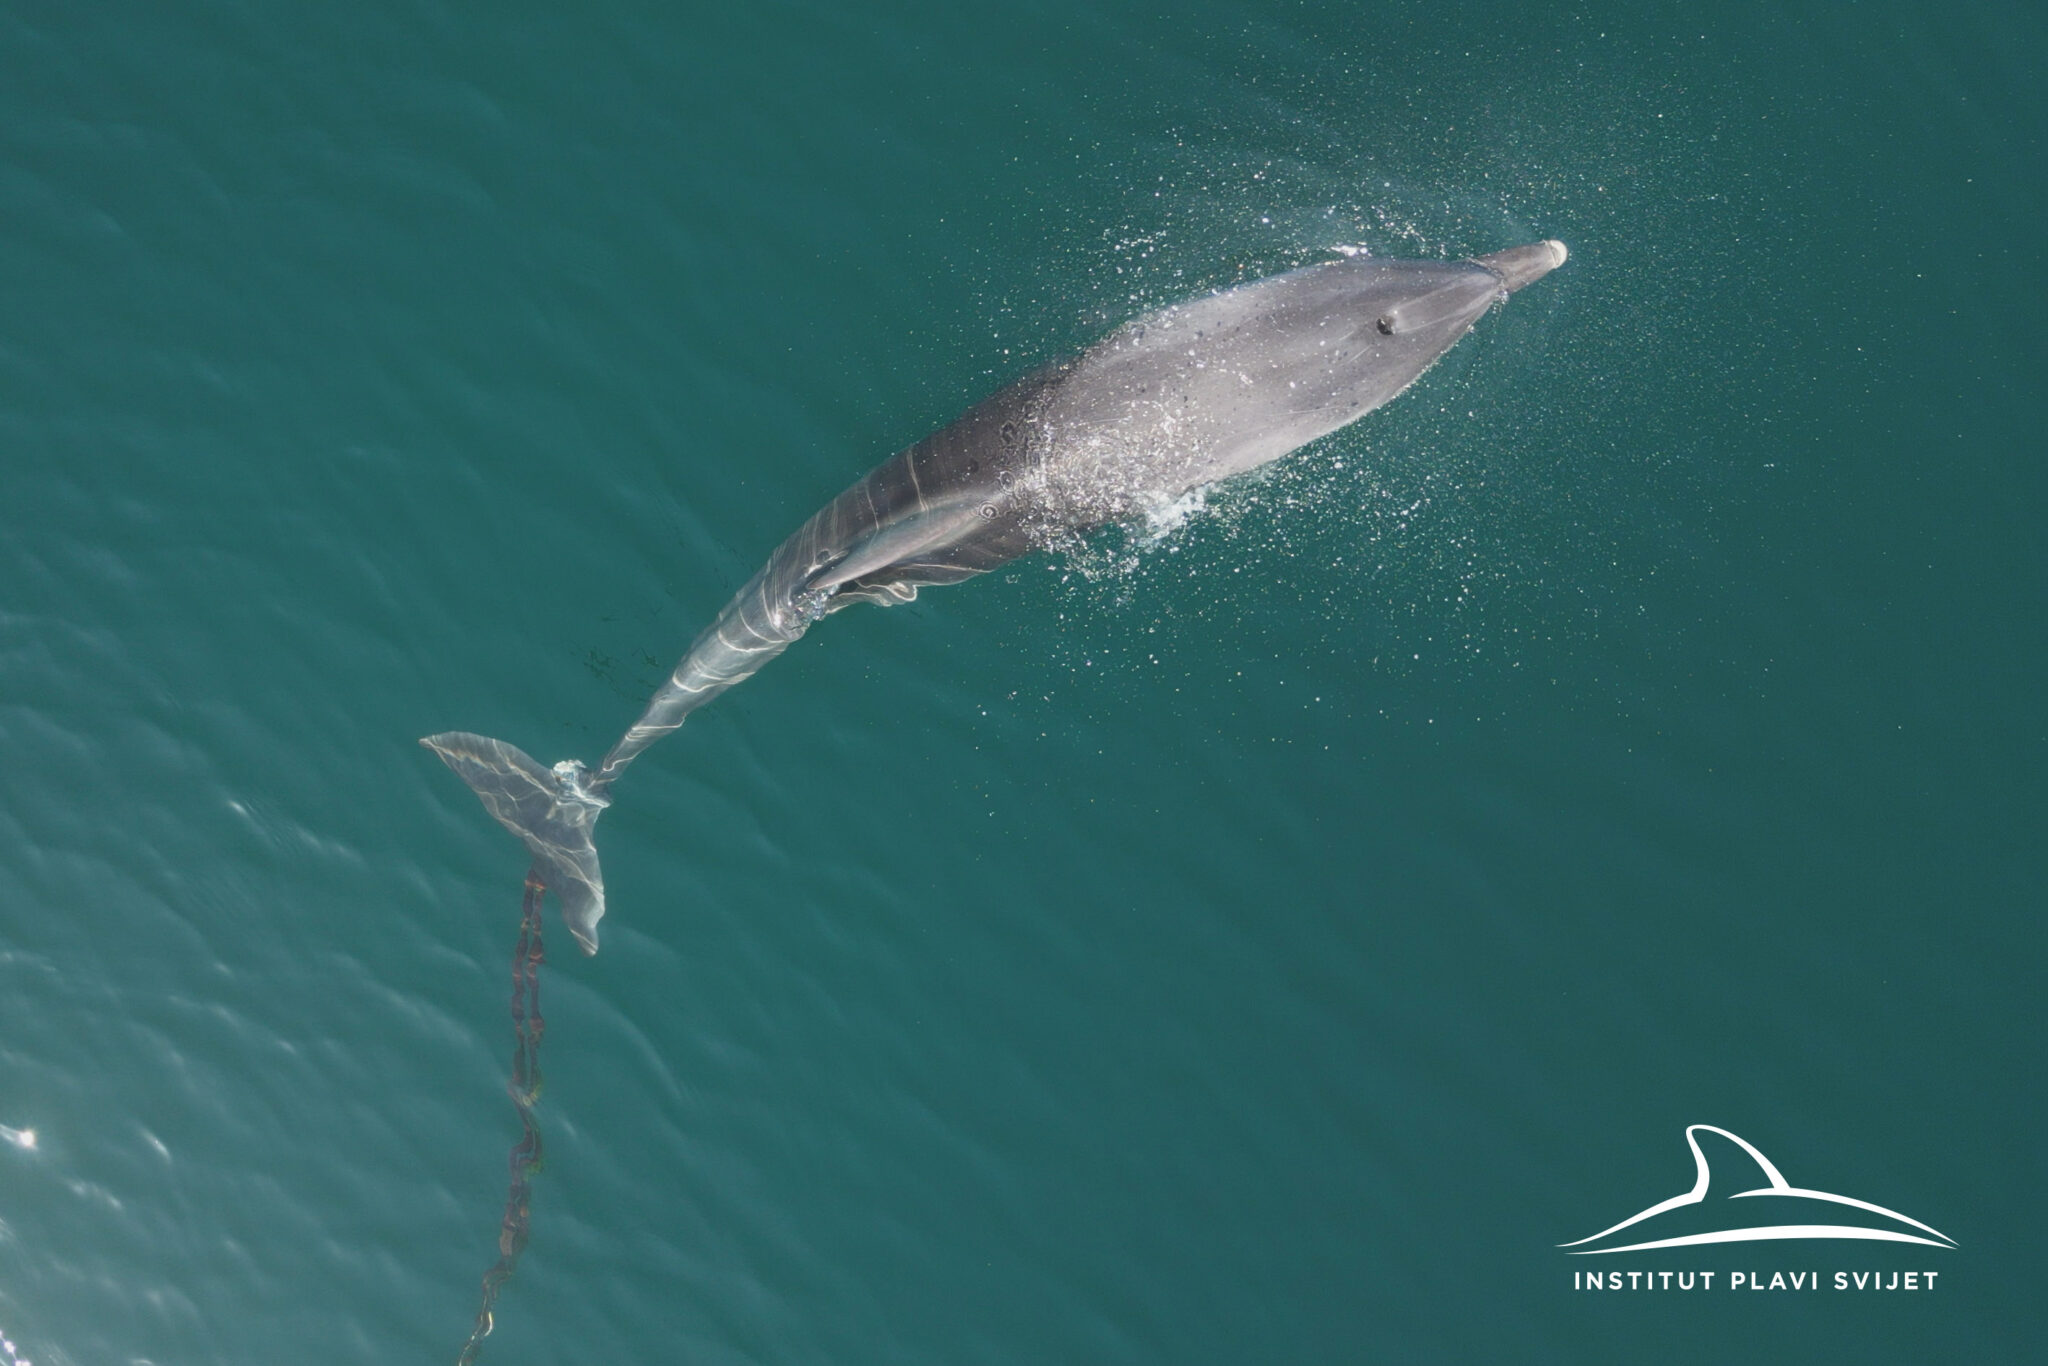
(524, 1088)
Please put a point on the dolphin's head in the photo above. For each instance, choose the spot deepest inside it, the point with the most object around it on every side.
(1209, 388)
(1408, 313)
(1321, 347)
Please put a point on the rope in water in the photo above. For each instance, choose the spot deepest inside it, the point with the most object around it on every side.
(524, 1088)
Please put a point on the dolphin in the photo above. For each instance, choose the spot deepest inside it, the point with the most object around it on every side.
(1171, 401)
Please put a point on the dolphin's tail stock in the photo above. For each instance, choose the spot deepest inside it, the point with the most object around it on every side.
(551, 810)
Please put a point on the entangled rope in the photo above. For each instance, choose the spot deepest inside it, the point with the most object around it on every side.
(524, 1088)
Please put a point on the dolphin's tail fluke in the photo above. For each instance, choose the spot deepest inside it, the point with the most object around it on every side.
(551, 810)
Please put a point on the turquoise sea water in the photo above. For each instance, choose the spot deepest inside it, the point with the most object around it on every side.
(1264, 944)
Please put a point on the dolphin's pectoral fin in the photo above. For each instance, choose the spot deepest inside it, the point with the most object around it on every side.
(881, 594)
(551, 811)
(830, 591)
(821, 577)
(899, 583)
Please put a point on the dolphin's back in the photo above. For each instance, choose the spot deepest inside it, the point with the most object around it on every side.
(956, 504)
(948, 508)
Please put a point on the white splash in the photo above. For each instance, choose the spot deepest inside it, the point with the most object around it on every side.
(24, 1139)
(1167, 516)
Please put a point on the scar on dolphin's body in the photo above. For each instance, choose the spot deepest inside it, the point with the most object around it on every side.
(1167, 403)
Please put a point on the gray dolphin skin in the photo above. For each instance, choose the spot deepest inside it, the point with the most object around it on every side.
(1169, 402)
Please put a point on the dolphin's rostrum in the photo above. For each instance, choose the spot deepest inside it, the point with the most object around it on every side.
(1171, 401)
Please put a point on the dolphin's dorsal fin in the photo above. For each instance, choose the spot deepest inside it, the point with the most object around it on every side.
(1738, 1167)
(1729, 1165)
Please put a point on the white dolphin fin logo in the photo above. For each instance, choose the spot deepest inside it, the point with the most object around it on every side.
(1778, 1186)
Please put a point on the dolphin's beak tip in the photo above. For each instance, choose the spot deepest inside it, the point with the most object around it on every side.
(1519, 266)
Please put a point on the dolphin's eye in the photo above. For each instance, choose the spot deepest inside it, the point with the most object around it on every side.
(1386, 325)
(988, 511)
